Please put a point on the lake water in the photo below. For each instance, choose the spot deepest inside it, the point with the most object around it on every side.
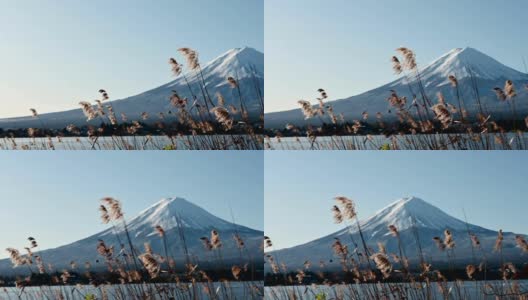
(467, 290)
(231, 290)
(202, 142)
(509, 141)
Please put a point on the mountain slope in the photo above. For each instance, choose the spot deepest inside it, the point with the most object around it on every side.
(460, 62)
(246, 64)
(196, 223)
(410, 215)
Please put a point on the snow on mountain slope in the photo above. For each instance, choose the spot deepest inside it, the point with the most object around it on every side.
(196, 223)
(238, 62)
(410, 215)
(404, 212)
(246, 64)
(461, 62)
(488, 73)
(165, 212)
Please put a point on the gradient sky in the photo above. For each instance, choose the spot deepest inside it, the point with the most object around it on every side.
(300, 187)
(54, 196)
(345, 46)
(56, 53)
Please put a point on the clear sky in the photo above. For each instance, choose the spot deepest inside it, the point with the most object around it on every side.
(54, 196)
(490, 186)
(345, 46)
(56, 53)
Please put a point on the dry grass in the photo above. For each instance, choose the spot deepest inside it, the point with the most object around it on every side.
(199, 123)
(420, 123)
(370, 274)
(132, 273)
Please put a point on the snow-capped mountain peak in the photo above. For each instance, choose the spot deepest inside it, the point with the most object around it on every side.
(412, 211)
(236, 62)
(166, 211)
(461, 62)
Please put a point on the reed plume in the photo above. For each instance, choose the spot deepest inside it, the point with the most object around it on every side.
(381, 248)
(521, 242)
(105, 217)
(104, 94)
(33, 242)
(338, 217)
(300, 276)
(475, 241)
(16, 258)
(449, 241)
(88, 110)
(222, 116)
(104, 251)
(348, 207)
(439, 243)
(176, 68)
(236, 271)
(409, 58)
(160, 231)
(498, 241)
(323, 94)
(453, 80)
(396, 65)
(238, 241)
(442, 114)
(339, 248)
(232, 82)
(73, 129)
(267, 242)
(216, 242)
(383, 264)
(509, 89)
(470, 271)
(65, 276)
(307, 109)
(393, 230)
(191, 56)
(221, 100)
(500, 94)
(151, 264)
(114, 208)
(206, 243)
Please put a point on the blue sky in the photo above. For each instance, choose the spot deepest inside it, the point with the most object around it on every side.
(56, 53)
(300, 186)
(345, 46)
(54, 196)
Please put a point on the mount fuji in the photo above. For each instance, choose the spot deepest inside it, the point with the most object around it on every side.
(246, 64)
(468, 65)
(195, 223)
(412, 217)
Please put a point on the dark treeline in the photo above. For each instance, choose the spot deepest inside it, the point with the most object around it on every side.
(332, 277)
(98, 278)
(385, 129)
(124, 129)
